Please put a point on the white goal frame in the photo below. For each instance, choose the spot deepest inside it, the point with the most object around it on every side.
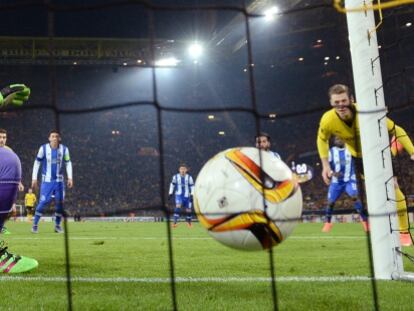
(385, 243)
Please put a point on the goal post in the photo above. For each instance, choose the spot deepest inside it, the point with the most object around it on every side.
(379, 185)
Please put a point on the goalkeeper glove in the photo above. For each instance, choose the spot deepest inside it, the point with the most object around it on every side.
(15, 94)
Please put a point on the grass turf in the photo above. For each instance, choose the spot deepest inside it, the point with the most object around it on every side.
(125, 266)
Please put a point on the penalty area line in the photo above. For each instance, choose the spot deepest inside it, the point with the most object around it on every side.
(323, 279)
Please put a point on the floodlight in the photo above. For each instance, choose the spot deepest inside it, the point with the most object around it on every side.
(270, 13)
(167, 62)
(195, 50)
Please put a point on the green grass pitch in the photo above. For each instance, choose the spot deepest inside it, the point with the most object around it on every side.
(125, 266)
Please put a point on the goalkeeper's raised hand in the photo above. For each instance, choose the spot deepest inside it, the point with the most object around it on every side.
(14, 94)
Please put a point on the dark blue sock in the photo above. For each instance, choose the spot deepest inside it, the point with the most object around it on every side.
(176, 215)
(328, 213)
(361, 212)
(36, 219)
(58, 219)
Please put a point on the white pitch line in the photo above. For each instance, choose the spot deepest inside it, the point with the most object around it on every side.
(111, 238)
(323, 279)
(181, 238)
(324, 237)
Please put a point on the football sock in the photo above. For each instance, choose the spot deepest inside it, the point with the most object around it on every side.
(176, 215)
(3, 218)
(360, 210)
(401, 210)
(328, 213)
(36, 219)
(58, 219)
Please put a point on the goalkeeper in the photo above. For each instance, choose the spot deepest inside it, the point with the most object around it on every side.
(10, 177)
(342, 121)
(14, 94)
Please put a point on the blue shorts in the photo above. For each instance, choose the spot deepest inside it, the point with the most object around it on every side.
(49, 189)
(336, 189)
(182, 201)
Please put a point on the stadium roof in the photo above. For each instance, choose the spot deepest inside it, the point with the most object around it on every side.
(119, 36)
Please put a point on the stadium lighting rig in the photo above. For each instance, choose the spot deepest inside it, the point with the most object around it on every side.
(195, 50)
(167, 62)
(270, 13)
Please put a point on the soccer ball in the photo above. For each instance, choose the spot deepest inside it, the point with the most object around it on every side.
(244, 205)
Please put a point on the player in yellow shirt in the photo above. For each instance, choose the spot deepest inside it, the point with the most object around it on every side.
(342, 121)
(29, 203)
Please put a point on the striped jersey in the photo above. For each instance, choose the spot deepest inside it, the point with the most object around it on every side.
(275, 154)
(341, 162)
(182, 185)
(52, 162)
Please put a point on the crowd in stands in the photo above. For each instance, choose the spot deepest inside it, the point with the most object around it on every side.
(117, 158)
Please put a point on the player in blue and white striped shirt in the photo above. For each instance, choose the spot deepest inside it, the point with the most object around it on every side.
(343, 180)
(52, 157)
(263, 143)
(182, 185)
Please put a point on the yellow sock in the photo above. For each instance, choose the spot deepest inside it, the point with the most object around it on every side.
(401, 210)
